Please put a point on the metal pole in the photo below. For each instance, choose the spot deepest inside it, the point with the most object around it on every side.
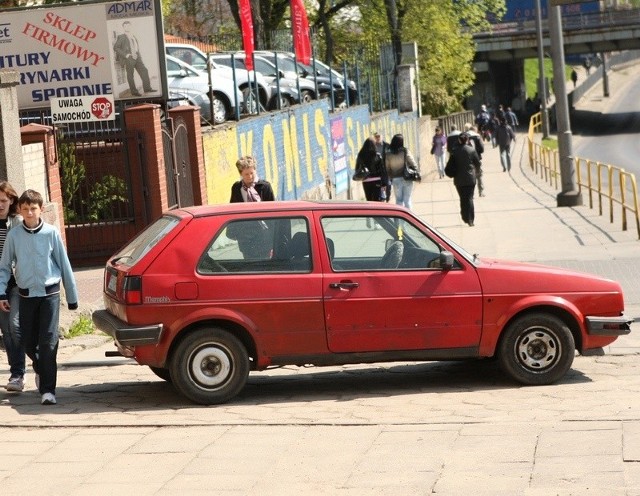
(570, 196)
(542, 90)
(605, 76)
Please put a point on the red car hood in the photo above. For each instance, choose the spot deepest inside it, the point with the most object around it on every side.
(501, 276)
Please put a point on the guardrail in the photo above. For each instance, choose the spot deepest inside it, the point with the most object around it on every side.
(606, 185)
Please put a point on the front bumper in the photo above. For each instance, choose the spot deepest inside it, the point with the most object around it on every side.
(608, 326)
(126, 334)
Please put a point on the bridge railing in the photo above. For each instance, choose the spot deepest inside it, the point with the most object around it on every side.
(607, 186)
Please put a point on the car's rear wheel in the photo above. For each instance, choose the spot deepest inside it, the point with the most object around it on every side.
(209, 366)
(536, 349)
(306, 96)
(161, 372)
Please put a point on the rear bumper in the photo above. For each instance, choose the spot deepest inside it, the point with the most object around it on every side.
(608, 326)
(126, 334)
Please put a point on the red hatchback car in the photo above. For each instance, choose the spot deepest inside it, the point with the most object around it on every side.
(207, 294)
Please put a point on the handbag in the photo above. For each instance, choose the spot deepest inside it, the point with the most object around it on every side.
(433, 149)
(361, 174)
(409, 173)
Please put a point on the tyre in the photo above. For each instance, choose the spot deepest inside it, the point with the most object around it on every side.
(251, 101)
(209, 366)
(161, 372)
(536, 349)
(221, 110)
(306, 96)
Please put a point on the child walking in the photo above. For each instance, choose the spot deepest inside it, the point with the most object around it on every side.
(41, 264)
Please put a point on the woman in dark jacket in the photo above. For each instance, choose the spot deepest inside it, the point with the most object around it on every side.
(375, 184)
(396, 158)
(250, 188)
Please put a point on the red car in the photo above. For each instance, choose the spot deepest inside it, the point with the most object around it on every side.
(207, 294)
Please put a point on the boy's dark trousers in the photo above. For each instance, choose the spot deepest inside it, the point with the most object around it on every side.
(39, 320)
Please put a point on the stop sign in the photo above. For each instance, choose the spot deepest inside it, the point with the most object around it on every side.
(101, 107)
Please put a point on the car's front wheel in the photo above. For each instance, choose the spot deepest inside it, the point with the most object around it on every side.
(221, 109)
(536, 349)
(209, 366)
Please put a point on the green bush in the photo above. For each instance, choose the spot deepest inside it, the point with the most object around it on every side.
(80, 327)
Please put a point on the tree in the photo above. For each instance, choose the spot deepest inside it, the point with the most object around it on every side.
(443, 30)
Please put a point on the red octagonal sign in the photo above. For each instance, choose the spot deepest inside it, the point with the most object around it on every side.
(101, 108)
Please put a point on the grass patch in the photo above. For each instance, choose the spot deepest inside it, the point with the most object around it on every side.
(80, 327)
(531, 75)
(551, 143)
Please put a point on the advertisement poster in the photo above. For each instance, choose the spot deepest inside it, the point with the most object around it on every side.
(82, 49)
(340, 165)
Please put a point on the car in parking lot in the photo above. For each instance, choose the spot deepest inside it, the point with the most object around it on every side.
(205, 295)
(288, 86)
(191, 86)
(247, 81)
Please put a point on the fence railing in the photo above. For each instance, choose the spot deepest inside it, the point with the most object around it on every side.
(607, 186)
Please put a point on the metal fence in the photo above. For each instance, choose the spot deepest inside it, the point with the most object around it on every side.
(370, 68)
(607, 186)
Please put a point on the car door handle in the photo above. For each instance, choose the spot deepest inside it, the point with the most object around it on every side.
(344, 286)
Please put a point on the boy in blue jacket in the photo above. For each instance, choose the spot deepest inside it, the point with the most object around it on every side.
(41, 264)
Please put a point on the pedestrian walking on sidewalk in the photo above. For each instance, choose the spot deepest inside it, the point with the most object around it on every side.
(475, 140)
(438, 149)
(41, 263)
(375, 182)
(461, 166)
(396, 160)
(381, 147)
(504, 137)
(9, 321)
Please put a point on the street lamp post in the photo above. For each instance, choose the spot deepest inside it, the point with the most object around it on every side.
(570, 196)
(542, 85)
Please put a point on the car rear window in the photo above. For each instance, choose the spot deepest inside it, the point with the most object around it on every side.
(139, 246)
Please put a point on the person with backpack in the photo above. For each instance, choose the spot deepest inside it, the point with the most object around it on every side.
(504, 137)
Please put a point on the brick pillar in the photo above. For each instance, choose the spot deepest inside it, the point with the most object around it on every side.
(145, 118)
(191, 117)
(53, 211)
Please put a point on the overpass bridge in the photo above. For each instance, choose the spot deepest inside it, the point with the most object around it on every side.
(500, 54)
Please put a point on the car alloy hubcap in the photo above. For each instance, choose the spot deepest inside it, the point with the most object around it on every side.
(538, 349)
(210, 366)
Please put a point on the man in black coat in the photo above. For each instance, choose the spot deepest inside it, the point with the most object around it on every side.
(461, 166)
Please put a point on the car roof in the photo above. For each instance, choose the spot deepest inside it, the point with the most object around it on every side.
(283, 206)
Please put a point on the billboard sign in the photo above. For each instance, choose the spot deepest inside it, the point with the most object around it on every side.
(84, 49)
(525, 10)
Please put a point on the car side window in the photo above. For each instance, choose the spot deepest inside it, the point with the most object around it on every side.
(259, 245)
(378, 243)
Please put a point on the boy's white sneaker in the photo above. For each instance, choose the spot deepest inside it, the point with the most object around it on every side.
(15, 384)
(48, 399)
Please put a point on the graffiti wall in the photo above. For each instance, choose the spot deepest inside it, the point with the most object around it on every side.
(305, 152)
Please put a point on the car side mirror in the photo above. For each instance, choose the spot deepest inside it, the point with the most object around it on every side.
(280, 74)
(183, 73)
(446, 260)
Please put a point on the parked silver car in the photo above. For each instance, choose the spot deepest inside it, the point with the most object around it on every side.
(288, 86)
(247, 81)
(188, 84)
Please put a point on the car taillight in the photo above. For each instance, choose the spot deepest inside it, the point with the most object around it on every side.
(132, 290)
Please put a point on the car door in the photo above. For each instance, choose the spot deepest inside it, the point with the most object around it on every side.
(384, 289)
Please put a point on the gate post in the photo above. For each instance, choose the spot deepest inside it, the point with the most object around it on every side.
(145, 119)
(10, 150)
(191, 118)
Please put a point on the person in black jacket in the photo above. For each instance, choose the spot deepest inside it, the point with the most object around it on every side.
(375, 184)
(250, 188)
(253, 243)
(461, 166)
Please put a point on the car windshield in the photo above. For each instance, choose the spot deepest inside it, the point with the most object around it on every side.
(139, 246)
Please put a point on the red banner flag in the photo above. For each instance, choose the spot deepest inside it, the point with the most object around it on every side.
(246, 22)
(300, 28)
